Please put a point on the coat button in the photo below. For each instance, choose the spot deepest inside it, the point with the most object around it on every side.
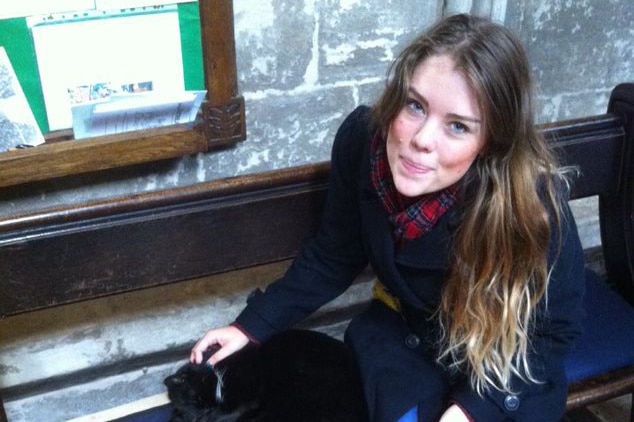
(412, 341)
(511, 402)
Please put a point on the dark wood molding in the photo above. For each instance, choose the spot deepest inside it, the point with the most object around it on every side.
(601, 387)
(300, 176)
(74, 157)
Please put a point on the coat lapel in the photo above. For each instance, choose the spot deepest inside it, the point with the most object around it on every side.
(429, 252)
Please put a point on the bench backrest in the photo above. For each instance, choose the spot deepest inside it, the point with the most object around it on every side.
(82, 252)
(602, 149)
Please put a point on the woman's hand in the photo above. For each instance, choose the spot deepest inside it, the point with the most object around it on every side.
(454, 414)
(230, 339)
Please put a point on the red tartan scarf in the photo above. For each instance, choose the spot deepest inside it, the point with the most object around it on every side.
(411, 218)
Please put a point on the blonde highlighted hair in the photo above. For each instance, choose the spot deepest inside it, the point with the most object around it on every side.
(498, 268)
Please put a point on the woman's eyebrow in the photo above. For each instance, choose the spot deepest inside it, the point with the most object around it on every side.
(465, 118)
(419, 97)
(416, 94)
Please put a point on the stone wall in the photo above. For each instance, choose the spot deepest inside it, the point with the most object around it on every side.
(303, 65)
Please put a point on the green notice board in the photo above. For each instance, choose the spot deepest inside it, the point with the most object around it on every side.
(15, 37)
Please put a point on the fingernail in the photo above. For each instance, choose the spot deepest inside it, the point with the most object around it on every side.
(209, 364)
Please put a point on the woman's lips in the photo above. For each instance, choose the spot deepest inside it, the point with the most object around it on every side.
(413, 167)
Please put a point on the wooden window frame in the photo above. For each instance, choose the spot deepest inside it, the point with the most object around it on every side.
(222, 123)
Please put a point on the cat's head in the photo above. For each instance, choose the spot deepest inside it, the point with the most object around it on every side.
(193, 385)
(220, 393)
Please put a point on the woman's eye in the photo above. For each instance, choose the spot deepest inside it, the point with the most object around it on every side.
(457, 127)
(415, 106)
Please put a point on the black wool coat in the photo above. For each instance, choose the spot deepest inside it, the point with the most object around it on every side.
(396, 351)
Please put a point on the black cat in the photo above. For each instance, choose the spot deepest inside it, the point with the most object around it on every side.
(296, 376)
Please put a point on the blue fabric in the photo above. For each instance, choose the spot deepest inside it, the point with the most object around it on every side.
(410, 416)
(606, 343)
(157, 414)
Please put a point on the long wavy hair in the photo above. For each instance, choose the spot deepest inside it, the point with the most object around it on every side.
(498, 267)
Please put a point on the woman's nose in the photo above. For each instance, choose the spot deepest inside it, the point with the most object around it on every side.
(424, 138)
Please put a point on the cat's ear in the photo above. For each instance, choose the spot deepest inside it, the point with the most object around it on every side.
(174, 380)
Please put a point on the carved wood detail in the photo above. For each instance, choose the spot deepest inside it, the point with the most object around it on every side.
(225, 122)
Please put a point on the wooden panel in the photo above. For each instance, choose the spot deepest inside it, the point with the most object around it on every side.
(74, 260)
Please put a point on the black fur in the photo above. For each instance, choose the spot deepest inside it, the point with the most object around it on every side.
(296, 376)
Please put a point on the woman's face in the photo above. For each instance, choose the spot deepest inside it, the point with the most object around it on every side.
(437, 135)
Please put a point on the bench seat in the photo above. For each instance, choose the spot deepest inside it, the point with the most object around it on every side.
(599, 351)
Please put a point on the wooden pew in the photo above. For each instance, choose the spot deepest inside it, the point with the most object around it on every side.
(146, 240)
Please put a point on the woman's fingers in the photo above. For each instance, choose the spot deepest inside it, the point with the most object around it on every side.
(228, 349)
(230, 339)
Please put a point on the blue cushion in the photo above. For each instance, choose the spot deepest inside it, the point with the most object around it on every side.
(410, 416)
(157, 414)
(608, 339)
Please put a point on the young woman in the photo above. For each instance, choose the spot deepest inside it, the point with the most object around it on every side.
(447, 190)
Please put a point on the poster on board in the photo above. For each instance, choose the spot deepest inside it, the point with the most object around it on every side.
(99, 54)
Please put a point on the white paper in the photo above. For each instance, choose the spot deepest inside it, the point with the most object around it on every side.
(135, 112)
(18, 127)
(123, 4)
(113, 51)
(21, 8)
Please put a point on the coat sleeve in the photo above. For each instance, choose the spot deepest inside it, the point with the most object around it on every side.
(330, 261)
(557, 327)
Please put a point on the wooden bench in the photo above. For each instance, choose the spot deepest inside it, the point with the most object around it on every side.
(249, 221)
